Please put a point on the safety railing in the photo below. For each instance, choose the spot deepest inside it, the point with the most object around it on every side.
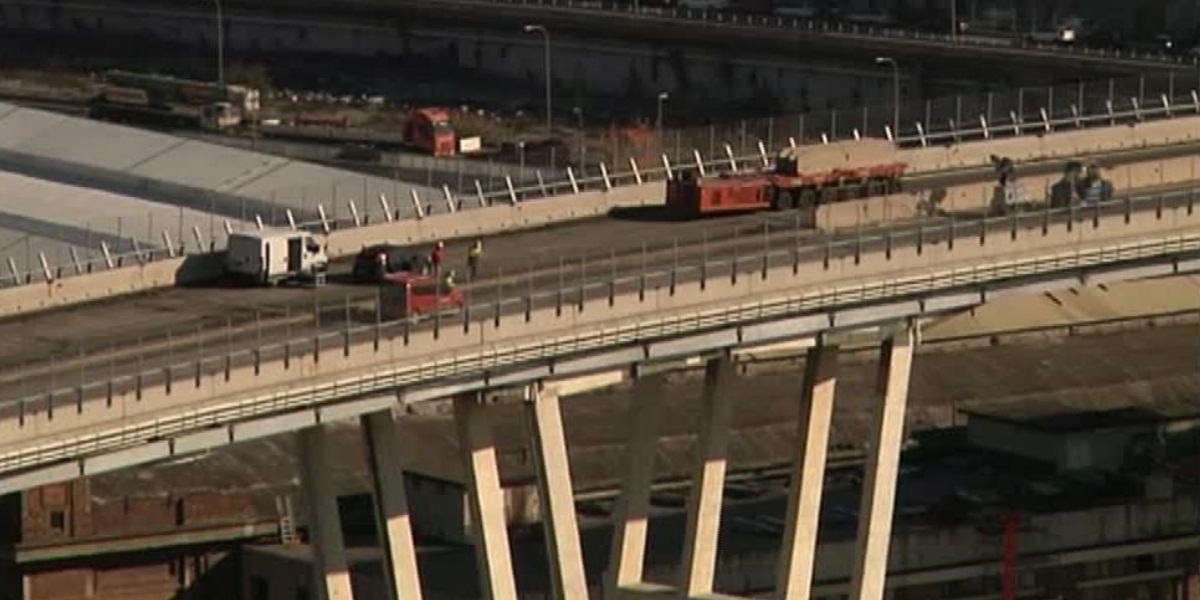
(572, 288)
(721, 157)
(491, 359)
(867, 33)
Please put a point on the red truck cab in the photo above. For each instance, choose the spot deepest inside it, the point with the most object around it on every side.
(415, 296)
(429, 130)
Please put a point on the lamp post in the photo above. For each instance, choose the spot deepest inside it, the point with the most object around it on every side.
(886, 60)
(658, 119)
(220, 44)
(532, 28)
(578, 112)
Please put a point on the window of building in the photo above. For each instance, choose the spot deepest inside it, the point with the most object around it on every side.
(58, 520)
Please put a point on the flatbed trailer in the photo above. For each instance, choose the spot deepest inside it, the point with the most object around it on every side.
(802, 179)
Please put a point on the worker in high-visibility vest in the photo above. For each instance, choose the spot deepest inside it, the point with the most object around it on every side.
(474, 253)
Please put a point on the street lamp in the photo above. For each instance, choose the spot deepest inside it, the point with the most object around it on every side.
(886, 60)
(220, 44)
(662, 97)
(546, 40)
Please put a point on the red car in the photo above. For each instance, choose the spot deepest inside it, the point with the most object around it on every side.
(416, 296)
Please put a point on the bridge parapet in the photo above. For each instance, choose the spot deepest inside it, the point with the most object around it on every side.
(729, 297)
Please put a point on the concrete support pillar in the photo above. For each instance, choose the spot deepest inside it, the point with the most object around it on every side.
(798, 555)
(26, 587)
(631, 514)
(391, 506)
(708, 483)
(492, 553)
(883, 467)
(331, 571)
(544, 415)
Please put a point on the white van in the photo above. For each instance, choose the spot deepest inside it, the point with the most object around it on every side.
(273, 256)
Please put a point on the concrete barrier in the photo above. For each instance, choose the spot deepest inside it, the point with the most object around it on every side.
(272, 383)
(1063, 144)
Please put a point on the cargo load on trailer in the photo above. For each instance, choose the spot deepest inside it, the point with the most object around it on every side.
(802, 178)
(171, 102)
(274, 256)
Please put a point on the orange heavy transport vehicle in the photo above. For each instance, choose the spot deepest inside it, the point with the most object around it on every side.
(804, 178)
(429, 130)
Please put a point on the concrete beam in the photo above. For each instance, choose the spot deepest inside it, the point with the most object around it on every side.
(798, 555)
(631, 514)
(883, 467)
(700, 541)
(492, 553)
(549, 444)
(391, 506)
(331, 573)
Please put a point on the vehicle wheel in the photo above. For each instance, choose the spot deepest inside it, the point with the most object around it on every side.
(808, 199)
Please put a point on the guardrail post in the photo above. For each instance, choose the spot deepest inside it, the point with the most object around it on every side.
(828, 251)
(1191, 200)
(733, 165)
(1072, 211)
(199, 239)
(952, 233)
(1137, 109)
(667, 167)
(1166, 104)
(406, 331)
(983, 126)
(167, 241)
(920, 239)
(1014, 222)
(479, 194)
(1075, 116)
(1196, 101)
(76, 262)
(199, 356)
(418, 208)
(887, 243)
(512, 193)
(1016, 122)
(258, 222)
(558, 304)
(16, 273)
(46, 268)
(346, 332)
(921, 135)
(466, 315)
(320, 212)
(574, 182)
(983, 226)
(1128, 204)
(1112, 116)
(354, 212)
(108, 259)
(541, 183)
(857, 135)
(1046, 219)
(824, 139)
(604, 176)
(735, 264)
(451, 206)
(383, 204)
(858, 245)
(1096, 215)
(1045, 120)
(582, 281)
(762, 154)
(1158, 208)
(637, 173)
(792, 141)
(50, 406)
(528, 308)
(167, 378)
(699, 162)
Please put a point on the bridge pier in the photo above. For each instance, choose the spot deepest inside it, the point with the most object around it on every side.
(493, 555)
(564, 553)
(798, 555)
(391, 506)
(883, 467)
(631, 514)
(331, 573)
(699, 561)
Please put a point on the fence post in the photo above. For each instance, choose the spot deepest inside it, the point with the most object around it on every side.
(574, 182)
(667, 165)
(699, 162)
(512, 193)
(320, 212)
(542, 183)
(479, 194)
(451, 206)
(733, 165)
(604, 176)
(637, 173)
(353, 212)
(383, 203)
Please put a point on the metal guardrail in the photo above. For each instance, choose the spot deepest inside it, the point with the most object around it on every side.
(777, 254)
(181, 243)
(298, 397)
(719, 18)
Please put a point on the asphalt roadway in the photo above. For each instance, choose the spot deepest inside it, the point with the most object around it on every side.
(115, 327)
(328, 312)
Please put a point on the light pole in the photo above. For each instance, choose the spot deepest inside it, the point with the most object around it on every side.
(220, 44)
(662, 97)
(546, 40)
(954, 19)
(886, 60)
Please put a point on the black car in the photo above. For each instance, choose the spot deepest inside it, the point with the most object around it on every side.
(375, 263)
